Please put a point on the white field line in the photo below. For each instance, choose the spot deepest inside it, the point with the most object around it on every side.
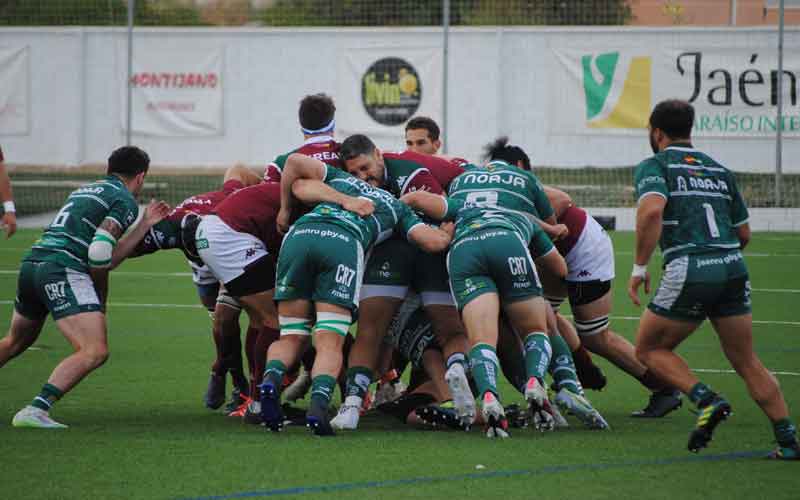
(746, 254)
(130, 304)
(755, 321)
(714, 370)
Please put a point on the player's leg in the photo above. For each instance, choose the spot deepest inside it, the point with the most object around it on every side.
(30, 313)
(330, 331)
(22, 333)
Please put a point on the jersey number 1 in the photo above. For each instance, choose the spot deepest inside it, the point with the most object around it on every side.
(712, 220)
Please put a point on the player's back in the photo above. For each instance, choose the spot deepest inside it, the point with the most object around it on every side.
(389, 212)
(498, 195)
(253, 210)
(409, 171)
(322, 148)
(704, 205)
(66, 241)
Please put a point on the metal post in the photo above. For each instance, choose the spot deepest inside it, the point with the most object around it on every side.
(129, 96)
(446, 58)
(733, 12)
(779, 121)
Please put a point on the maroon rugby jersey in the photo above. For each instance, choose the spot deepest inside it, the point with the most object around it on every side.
(322, 148)
(253, 210)
(575, 220)
(409, 171)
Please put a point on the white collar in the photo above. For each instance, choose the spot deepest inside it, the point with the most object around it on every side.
(318, 138)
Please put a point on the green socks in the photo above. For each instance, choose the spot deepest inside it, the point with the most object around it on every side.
(47, 397)
(562, 367)
(537, 354)
(322, 387)
(484, 365)
(274, 372)
(701, 395)
(359, 379)
(785, 432)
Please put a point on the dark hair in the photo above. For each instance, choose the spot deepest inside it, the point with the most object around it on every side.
(501, 150)
(316, 111)
(354, 146)
(128, 161)
(423, 122)
(674, 117)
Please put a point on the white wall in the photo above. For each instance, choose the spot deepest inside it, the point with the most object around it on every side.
(500, 83)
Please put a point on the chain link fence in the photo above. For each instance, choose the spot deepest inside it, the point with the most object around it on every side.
(39, 190)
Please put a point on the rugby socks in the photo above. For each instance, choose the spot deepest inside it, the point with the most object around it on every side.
(359, 379)
(785, 432)
(484, 365)
(322, 387)
(458, 358)
(562, 367)
(701, 395)
(274, 373)
(537, 355)
(47, 397)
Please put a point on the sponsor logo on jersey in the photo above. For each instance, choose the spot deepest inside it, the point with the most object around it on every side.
(618, 90)
(391, 91)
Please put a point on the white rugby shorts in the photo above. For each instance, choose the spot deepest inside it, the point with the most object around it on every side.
(228, 252)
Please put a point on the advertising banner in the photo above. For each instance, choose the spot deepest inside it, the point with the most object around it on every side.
(734, 91)
(176, 92)
(380, 89)
(14, 84)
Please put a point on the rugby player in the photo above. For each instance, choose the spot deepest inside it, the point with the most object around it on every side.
(496, 208)
(394, 267)
(589, 254)
(318, 124)
(65, 274)
(320, 269)
(176, 231)
(9, 220)
(691, 207)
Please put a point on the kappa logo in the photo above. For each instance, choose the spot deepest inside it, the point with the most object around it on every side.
(584, 274)
(618, 90)
(249, 253)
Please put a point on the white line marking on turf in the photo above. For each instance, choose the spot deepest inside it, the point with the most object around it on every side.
(747, 254)
(117, 273)
(755, 321)
(714, 370)
(129, 304)
(776, 290)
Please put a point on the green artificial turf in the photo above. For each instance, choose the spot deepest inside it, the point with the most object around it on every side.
(138, 428)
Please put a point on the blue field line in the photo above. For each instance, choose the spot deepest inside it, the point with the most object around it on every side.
(550, 469)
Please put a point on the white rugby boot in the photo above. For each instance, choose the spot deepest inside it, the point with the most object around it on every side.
(579, 406)
(463, 401)
(348, 415)
(495, 417)
(539, 408)
(33, 417)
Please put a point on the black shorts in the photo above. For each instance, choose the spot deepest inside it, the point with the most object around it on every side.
(586, 292)
(258, 277)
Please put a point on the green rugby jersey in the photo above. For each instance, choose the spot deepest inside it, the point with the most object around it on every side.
(704, 205)
(66, 241)
(497, 195)
(389, 214)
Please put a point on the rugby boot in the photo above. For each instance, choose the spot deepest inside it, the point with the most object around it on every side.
(388, 392)
(495, 416)
(237, 399)
(558, 418)
(215, 393)
(241, 410)
(791, 452)
(317, 421)
(708, 418)
(271, 413)
(541, 414)
(516, 416)
(33, 417)
(348, 415)
(661, 402)
(463, 400)
(443, 415)
(252, 413)
(580, 407)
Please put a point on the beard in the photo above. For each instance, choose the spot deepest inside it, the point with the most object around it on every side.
(653, 143)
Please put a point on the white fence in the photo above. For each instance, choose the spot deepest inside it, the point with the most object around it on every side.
(572, 97)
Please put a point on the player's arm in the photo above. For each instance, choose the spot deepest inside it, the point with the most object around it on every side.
(649, 218)
(242, 174)
(101, 252)
(432, 205)
(431, 239)
(743, 233)
(422, 180)
(739, 215)
(129, 245)
(7, 197)
(297, 166)
(312, 192)
(553, 263)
